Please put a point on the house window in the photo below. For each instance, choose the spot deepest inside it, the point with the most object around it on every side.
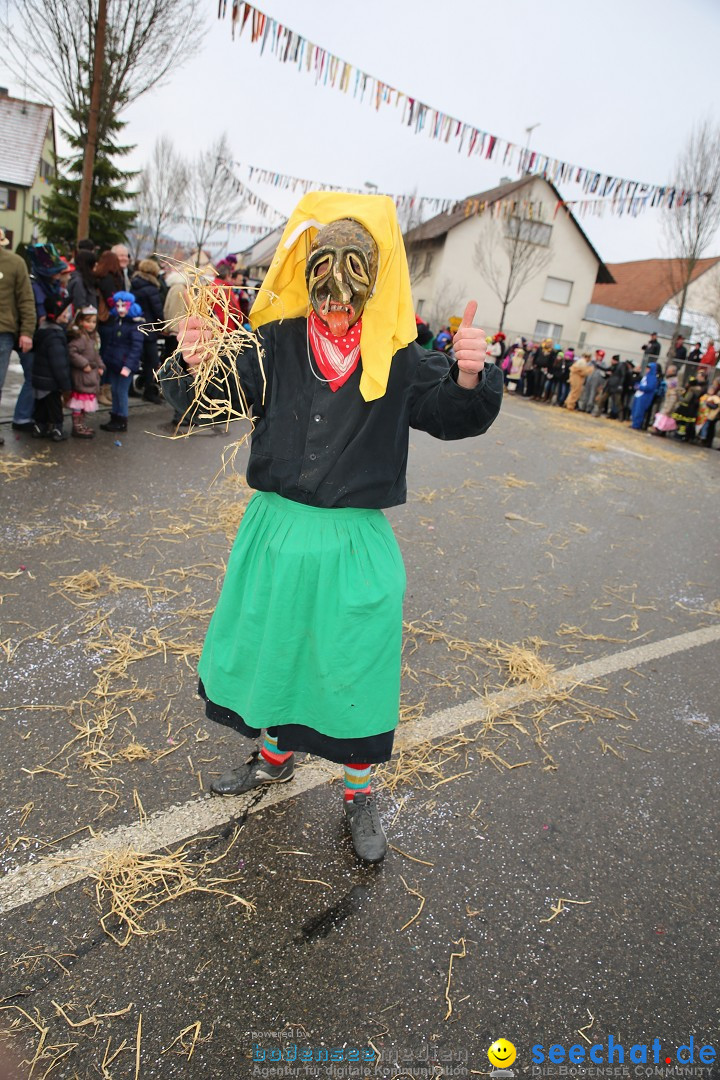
(8, 198)
(420, 306)
(46, 169)
(557, 290)
(413, 264)
(548, 330)
(533, 232)
(428, 262)
(36, 205)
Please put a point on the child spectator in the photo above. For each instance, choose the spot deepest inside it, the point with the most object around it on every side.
(515, 369)
(663, 421)
(85, 370)
(51, 370)
(122, 350)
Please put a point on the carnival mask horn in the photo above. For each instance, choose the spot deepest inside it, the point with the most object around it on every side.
(340, 273)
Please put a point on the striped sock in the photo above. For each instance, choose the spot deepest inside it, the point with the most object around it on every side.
(357, 778)
(270, 752)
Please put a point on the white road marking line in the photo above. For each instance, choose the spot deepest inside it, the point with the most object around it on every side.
(54, 872)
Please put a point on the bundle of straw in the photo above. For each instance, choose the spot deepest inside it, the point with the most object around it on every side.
(218, 395)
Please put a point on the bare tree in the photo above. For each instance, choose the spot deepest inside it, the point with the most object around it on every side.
(508, 255)
(144, 40)
(691, 224)
(162, 190)
(446, 301)
(214, 196)
(409, 212)
(96, 57)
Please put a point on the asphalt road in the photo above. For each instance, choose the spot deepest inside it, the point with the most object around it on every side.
(552, 541)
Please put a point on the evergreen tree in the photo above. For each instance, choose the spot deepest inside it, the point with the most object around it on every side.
(111, 190)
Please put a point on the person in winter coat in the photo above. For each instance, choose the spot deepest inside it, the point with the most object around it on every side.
(663, 421)
(85, 370)
(709, 357)
(122, 352)
(542, 362)
(644, 395)
(51, 370)
(579, 372)
(560, 377)
(17, 313)
(594, 383)
(82, 287)
(610, 396)
(146, 289)
(686, 411)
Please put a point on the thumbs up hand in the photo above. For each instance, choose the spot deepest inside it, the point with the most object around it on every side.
(470, 347)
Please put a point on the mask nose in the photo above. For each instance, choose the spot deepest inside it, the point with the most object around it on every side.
(341, 290)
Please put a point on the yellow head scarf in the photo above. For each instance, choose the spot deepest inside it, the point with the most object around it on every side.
(388, 319)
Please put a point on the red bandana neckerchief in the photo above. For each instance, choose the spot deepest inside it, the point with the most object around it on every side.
(337, 357)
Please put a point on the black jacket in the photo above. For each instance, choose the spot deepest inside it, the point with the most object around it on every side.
(149, 298)
(51, 359)
(330, 449)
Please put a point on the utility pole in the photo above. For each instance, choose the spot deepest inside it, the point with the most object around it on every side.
(83, 226)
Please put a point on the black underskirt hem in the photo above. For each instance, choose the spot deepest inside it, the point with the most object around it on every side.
(371, 750)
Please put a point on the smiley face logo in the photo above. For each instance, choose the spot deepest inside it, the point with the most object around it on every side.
(502, 1054)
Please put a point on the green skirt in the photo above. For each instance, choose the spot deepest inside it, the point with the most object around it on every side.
(307, 633)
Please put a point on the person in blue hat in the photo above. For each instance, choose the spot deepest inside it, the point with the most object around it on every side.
(122, 352)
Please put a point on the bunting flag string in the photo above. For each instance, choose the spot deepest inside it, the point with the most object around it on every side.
(629, 196)
(424, 205)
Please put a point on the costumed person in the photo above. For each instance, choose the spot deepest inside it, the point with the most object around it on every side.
(85, 370)
(708, 413)
(686, 411)
(335, 390)
(644, 395)
(663, 421)
(121, 352)
(579, 371)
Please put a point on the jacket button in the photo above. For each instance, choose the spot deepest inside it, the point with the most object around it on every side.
(313, 457)
(317, 418)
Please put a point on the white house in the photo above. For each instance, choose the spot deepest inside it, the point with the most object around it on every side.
(444, 262)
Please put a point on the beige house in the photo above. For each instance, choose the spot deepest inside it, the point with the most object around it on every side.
(651, 287)
(27, 163)
(444, 262)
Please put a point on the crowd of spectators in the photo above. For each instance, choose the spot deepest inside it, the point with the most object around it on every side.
(681, 401)
(93, 331)
(89, 331)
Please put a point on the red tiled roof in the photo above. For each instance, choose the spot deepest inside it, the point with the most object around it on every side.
(646, 285)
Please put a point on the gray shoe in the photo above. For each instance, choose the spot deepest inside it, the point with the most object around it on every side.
(254, 773)
(368, 838)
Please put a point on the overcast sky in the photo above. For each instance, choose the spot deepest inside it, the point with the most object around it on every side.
(614, 85)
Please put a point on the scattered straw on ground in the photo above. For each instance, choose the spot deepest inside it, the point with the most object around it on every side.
(19, 468)
(131, 885)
